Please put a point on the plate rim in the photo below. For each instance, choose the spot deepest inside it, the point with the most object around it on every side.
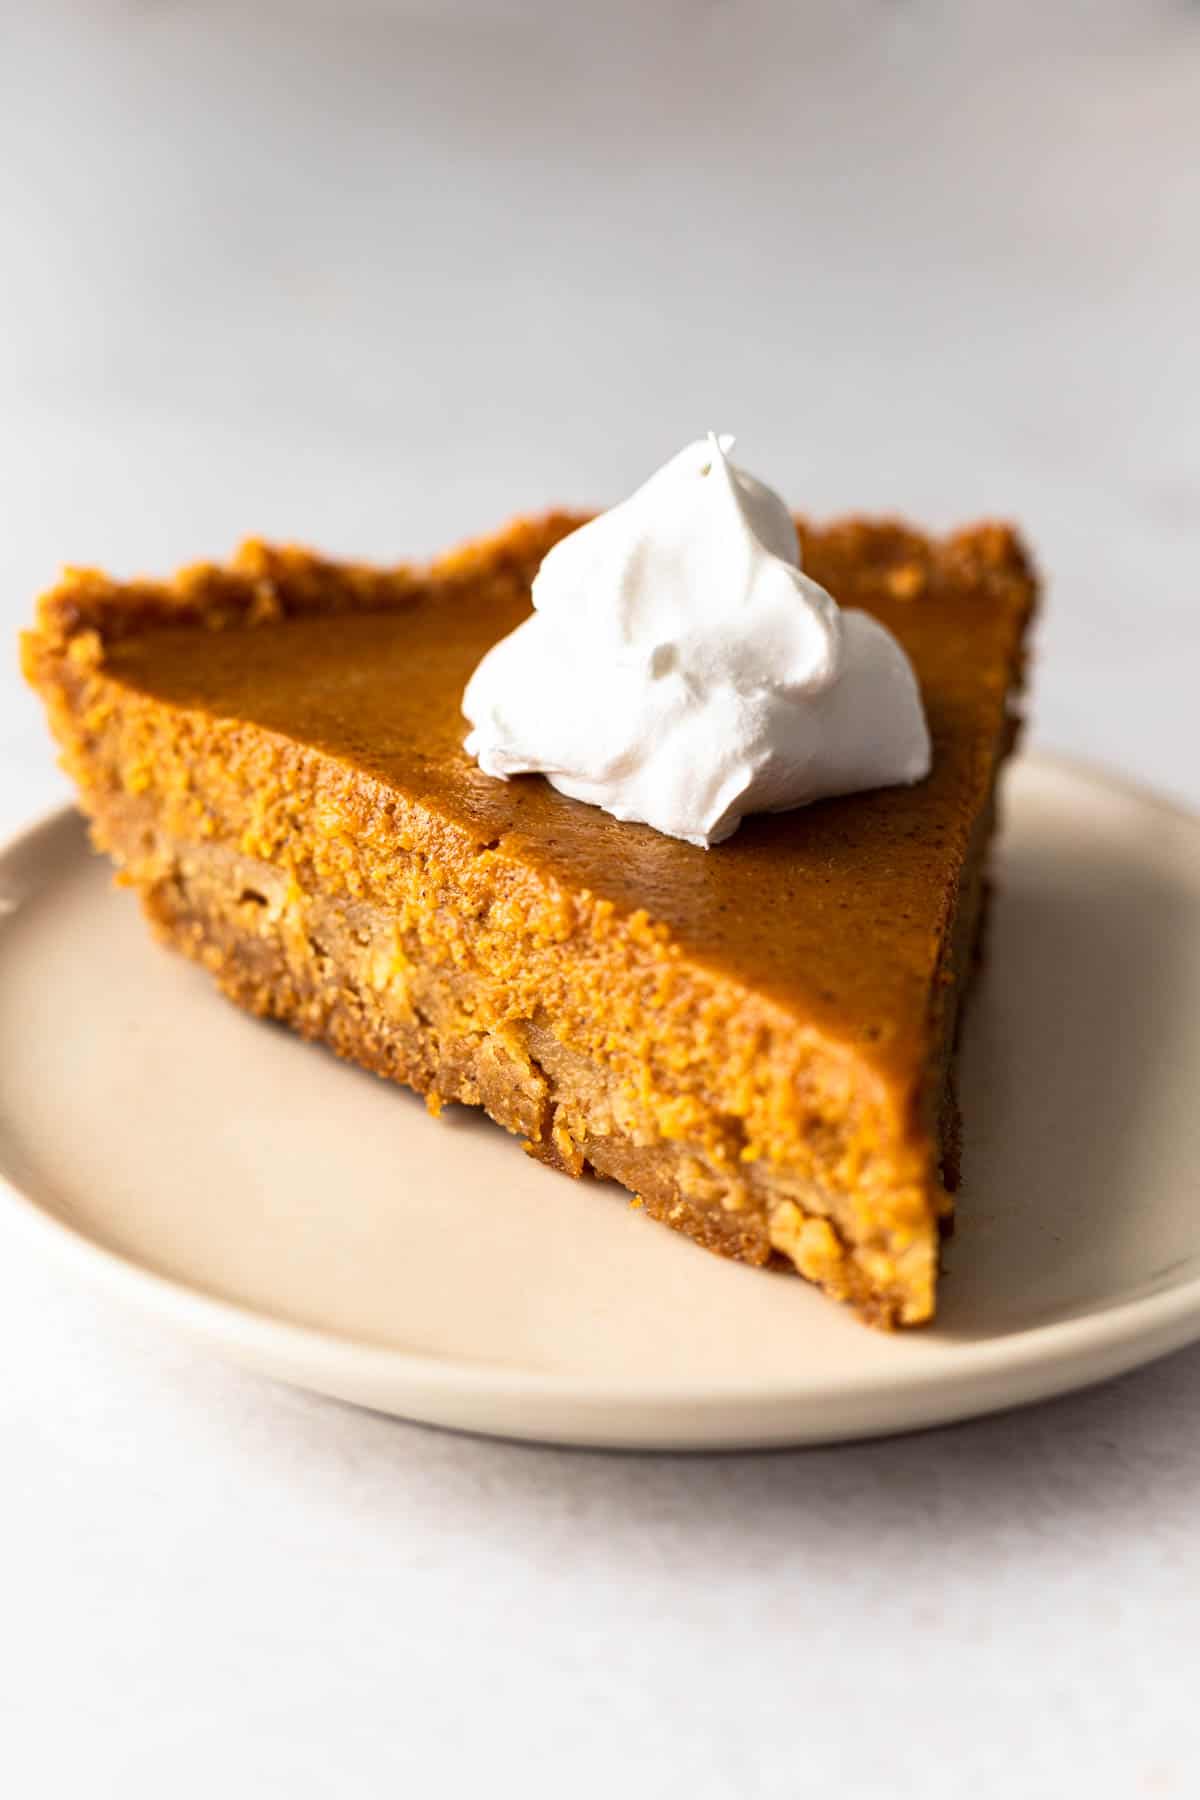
(1032, 1363)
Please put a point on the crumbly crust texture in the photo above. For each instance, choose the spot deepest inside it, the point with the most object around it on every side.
(756, 1040)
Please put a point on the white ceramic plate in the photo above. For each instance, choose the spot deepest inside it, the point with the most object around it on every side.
(315, 1224)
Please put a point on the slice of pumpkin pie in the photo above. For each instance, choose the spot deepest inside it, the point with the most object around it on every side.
(756, 1039)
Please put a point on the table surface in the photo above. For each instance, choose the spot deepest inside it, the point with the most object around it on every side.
(376, 283)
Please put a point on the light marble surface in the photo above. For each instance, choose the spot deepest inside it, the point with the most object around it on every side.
(376, 276)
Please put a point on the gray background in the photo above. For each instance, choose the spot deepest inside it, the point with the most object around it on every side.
(374, 277)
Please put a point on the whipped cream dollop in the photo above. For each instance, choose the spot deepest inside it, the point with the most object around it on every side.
(679, 668)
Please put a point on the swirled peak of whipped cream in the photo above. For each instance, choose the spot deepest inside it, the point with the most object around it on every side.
(679, 668)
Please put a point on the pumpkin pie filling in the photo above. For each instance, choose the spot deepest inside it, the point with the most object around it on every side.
(757, 1040)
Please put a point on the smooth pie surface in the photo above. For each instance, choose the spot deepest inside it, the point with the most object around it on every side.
(836, 912)
(299, 1215)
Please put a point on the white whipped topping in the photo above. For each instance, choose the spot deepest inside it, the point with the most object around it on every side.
(680, 669)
